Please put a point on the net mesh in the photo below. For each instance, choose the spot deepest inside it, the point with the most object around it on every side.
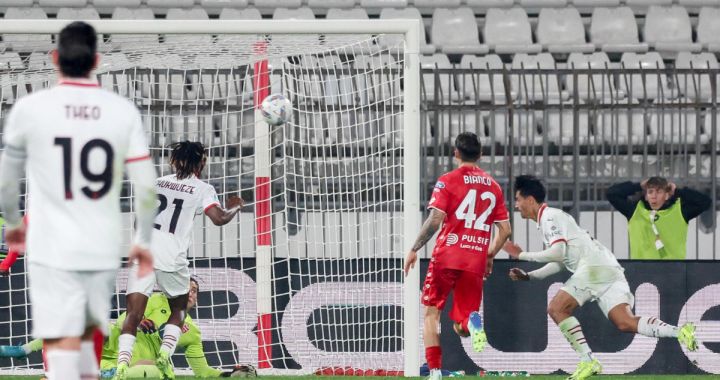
(335, 195)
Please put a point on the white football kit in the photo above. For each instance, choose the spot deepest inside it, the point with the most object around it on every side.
(76, 139)
(597, 275)
(180, 200)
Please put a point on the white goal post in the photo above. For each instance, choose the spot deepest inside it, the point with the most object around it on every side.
(356, 125)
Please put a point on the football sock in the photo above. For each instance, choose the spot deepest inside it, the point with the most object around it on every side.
(63, 365)
(88, 362)
(433, 355)
(653, 327)
(125, 347)
(170, 338)
(572, 331)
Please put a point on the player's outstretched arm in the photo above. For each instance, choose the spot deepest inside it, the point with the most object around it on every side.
(20, 352)
(549, 269)
(431, 225)
(555, 253)
(222, 216)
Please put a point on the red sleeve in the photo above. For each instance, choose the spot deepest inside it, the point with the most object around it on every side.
(440, 196)
(500, 212)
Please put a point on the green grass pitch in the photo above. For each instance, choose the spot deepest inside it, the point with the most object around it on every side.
(538, 377)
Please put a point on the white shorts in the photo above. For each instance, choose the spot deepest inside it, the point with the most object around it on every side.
(64, 303)
(608, 294)
(172, 284)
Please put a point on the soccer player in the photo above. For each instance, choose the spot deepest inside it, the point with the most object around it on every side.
(467, 202)
(182, 196)
(596, 277)
(75, 140)
(148, 342)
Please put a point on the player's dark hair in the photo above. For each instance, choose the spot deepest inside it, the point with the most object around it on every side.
(529, 185)
(187, 158)
(195, 280)
(468, 145)
(77, 45)
(659, 183)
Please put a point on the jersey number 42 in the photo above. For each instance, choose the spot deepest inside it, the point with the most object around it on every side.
(466, 210)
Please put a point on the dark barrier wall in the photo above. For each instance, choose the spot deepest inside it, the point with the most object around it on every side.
(521, 336)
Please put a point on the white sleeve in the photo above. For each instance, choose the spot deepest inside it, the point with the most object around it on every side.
(142, 174)
(12, 166)
(546, 271)
(210, 199)
(556, 253)
(137, 144)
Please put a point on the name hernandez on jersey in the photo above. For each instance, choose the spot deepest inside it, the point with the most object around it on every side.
(180, 200)
(472, 202)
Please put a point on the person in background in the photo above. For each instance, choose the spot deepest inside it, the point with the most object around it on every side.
(658, 219)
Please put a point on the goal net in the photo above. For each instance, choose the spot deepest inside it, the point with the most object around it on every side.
(308, 278)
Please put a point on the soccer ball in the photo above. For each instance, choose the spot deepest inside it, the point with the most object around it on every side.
(276, 109)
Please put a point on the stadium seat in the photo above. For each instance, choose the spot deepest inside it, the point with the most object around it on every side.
(240, 14)
(293, 14)
(696, 86)
(112, 76)
(479, 84)
(641, 6)
(384, 4)
(27, 42)
(468, 121)
(272, 4)
(484, 5)
(544, 87)
(215, 6)
(615, 31)
(435, 3)
(708, 29)
(655, 84)
(160, 84)
(622, 127)
(508, 31)
(447, 81)
(673, 126)
(11, 61)
(161, 6)
(184, 39)
(693, 6)
(525, 128)
(54, 4)
(107, 6)
(77, 14)
(18, 3)
(455, 31)
(562, 31)
(409, 13)
(668, 31)
(328, 4)
(558, 125)
(535, 5)
(587, 5)
(596, 87)
(130, 41)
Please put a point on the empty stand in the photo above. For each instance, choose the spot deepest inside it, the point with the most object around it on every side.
(409, 13)
(27, 42)
(708, 29)
(123, 41)
(614, 30)
(455, 31)
(445, 80)
(650, 85)
(508, 31)
(595, 87)
(668, 31)
(187, 14)
(480, 84)
(562, 31)
(535, 87)
(696, 86)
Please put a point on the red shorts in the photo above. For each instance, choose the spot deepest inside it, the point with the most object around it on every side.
(467, 287)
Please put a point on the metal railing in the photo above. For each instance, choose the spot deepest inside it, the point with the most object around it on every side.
(581, 130)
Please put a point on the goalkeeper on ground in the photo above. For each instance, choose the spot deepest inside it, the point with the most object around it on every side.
(148, 343)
